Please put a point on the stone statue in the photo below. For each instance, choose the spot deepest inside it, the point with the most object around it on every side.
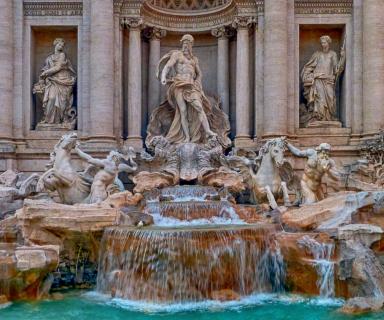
(56, 86)
(62, 176)
(106, 176)
(319, 77)
(263, 174)
(188, 115)
(14, 188)
(318, 164)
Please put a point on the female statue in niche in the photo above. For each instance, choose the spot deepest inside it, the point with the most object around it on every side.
(319, 77)
(56, 86)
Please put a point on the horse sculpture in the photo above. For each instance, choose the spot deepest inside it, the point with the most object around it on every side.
(72, 187)
(263, 174)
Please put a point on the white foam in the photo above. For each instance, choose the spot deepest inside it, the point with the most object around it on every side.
(211, 305)
(172, 222)
(5, 305)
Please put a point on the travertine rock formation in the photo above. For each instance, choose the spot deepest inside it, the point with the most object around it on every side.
(26, 270)
(333, 212)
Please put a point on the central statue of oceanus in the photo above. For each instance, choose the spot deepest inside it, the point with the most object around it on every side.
(188, 115)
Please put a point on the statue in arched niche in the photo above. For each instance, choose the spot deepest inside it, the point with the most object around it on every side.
(188, 115)
(319, 76)
(55, 85)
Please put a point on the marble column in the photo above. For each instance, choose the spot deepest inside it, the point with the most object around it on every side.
(134, 82)
(222, 35)
(275, 67)
(154, 35)
(373, 65)
(243, 105)
(6, 70)
(102, 70)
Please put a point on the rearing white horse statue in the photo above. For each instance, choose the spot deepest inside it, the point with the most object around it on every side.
(267, 183)
(263, 174)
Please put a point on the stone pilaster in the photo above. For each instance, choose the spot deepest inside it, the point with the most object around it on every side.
(275, 67)
(154, 35)
(6, 72)
(102, 70)
(134, 98)
(222, 34)
(357, 115)
(243, 106)
(373, 65)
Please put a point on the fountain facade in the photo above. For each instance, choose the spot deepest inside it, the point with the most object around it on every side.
(203, 219)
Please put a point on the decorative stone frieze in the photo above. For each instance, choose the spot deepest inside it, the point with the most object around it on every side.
(323, 7)
(188, 4)
(53, 8)
(195, 20)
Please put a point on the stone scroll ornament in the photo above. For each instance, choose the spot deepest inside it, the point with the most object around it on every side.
(320, 76)
(55, 87)
(188, 115)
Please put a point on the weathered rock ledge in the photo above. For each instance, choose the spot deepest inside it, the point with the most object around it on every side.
(26, 270)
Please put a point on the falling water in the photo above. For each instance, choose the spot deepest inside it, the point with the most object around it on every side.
(189, 205)
(181, 193)
(180, 264)
(322, 254)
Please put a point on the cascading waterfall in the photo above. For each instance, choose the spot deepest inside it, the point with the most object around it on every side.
(188, 264)
(322, 254)
(187, 205)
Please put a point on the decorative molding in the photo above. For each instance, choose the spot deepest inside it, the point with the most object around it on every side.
(323, 7)
(181, 5)
(53, 8)
(223, 32)
(243, 22)
(154, 33)
(189, 21)
(129, 7)
(132, 22)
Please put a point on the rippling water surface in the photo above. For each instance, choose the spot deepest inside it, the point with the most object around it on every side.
(92, 306)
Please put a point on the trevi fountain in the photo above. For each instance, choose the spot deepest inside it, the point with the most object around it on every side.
(204, 159)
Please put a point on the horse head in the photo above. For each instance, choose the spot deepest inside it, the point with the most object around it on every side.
(275, 148)
(67, 141)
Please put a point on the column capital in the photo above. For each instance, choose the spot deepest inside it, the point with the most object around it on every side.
(135, 23)
(223, 32)
(243, 22)
(154, 33)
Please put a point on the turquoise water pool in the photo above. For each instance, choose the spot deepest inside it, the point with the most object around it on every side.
(90, 306)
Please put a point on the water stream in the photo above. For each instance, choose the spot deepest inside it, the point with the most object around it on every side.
(322, 254)
(189, 264)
